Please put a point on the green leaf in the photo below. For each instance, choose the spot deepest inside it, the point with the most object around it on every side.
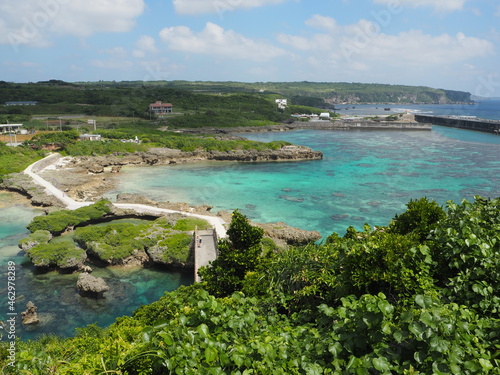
(428, 320)
(417, 329)
(211, 354)
(485, 364)
(381, 364)
(385, 307)
(335, 349)
(167, 339)
(423, 301)
(203, 330)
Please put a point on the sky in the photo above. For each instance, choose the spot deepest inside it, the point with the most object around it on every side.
(450, 44)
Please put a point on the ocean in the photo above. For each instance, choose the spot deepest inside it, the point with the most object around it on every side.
(487, 109)
(364, 177)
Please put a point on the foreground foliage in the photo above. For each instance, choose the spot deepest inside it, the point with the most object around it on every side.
(392, 300)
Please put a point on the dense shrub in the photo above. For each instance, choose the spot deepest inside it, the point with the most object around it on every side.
(178, 250)
(238, 254)
(420, 217)
(62, 254)
(57, 222)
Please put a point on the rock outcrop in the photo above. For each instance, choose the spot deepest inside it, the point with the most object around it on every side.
(90, 286)
(282, 233)
(30, 316)
(23, 184)
(160, 156)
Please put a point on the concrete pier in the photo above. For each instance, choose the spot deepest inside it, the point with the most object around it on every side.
(462, 122)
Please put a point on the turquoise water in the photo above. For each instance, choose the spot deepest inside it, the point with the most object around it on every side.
(488, 109)
(365, 177)
(60, 308)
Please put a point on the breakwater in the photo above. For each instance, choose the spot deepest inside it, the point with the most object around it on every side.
(462, 122)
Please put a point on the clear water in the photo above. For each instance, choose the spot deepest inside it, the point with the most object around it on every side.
(60, 308)
(488, 109)
(365, 177)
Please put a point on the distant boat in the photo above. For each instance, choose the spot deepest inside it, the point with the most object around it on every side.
(387, 109)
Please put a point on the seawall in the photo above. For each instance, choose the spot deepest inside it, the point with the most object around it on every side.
(462, 122)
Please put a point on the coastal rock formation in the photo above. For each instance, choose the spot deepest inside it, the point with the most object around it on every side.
(30, 316)
(138, 258)
(162, 255)
(282, 233)
(90, 286)
(23, 184)
(154, 156)
(37, 238)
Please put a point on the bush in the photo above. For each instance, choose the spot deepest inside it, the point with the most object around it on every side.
(62, 254)
(189, 224)
(420, 218)
(178, 249)
(57, 222)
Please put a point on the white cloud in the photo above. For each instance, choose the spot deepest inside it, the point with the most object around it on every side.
(117, 52)
(363, 45)
(33, 22)
(323, 23)
(218, 6)
(439, 5)
(214, 40)
(145, 44)
(497, 13)
(113, 64)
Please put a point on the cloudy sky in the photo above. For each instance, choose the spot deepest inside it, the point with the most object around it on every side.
(451, 44)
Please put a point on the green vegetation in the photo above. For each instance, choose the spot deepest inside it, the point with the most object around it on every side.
(207, 103)
(191, 223)
(166, 240)
(112, 242)
(238, 255)
(177, 248)
(16, 159)
(57, 222)
(379, 301)
(62, 254)
(37, 237)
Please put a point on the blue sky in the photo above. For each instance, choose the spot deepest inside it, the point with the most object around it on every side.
(452, 44)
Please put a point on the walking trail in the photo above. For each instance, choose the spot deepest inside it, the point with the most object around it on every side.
(204, 253)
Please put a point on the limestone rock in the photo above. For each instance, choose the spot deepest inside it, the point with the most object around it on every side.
(91, 286)
(30, 316)
(292, 236)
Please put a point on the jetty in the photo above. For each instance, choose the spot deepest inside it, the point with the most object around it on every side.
(203, 254)
(462, 122)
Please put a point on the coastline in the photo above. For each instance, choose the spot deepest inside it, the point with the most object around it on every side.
(59, 182)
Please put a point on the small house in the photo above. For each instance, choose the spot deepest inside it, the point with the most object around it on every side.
(90, 137)
(159, 109)
(282, 103)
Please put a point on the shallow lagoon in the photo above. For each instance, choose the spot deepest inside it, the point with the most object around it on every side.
(365, 176)
(61, 309)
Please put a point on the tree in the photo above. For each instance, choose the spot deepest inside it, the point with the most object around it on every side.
(238, 254)
(420, 218)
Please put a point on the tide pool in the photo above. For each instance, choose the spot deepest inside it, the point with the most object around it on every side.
(60, 308)
(365, 177)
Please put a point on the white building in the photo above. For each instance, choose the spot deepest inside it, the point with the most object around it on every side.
(282, 103)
